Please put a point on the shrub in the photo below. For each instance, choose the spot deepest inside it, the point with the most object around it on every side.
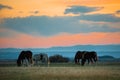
(58, 59)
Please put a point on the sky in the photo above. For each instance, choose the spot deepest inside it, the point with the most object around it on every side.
(49, 23)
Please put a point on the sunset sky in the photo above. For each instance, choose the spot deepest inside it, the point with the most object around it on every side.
(48, 23)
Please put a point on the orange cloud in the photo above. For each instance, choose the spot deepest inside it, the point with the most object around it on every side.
(22, 8)
(27, 41)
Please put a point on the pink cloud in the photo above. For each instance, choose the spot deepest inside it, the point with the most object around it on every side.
(27, 41)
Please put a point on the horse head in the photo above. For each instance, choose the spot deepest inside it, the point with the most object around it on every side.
(18, 62)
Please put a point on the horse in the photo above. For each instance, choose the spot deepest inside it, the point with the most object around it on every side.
(90, 56)
(24, 55)
(85, 55)
(42, 57)
(78, 56)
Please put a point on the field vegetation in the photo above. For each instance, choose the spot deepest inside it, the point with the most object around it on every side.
(62, 71)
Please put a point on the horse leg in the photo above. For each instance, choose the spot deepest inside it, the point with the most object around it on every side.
(78, 61)
(27, 61)
(48, 62)
(22, 62)
(83, 62)
(95, 59)
(88, 61)
(91, 60)
(30, 61)
(37, 62)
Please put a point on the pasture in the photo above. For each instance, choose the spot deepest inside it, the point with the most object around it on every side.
(62, 71)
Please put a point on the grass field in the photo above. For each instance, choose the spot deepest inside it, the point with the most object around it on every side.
(64, 71)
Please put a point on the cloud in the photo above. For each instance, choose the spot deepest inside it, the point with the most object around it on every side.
(28, 41)
(35, 12)
(5, 7)
(118, 12)
(49, 26)
(81, 9)
(7, 33)
(100, 17)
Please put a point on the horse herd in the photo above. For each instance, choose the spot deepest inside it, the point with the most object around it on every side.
(29, 58)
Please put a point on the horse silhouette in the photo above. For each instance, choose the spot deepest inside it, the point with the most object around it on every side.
(85, 55)
(90, 56)
(41, 58)
(24, 55)
(78, 56)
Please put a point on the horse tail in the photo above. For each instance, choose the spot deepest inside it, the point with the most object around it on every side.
(31, 60)
(96, 57)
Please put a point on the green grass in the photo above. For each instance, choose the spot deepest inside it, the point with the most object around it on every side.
(62, 72)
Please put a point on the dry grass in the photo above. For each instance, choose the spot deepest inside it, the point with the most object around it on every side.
(60, 73)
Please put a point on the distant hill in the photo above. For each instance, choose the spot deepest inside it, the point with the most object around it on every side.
(90, 47)
(70, 48)
(106, 57)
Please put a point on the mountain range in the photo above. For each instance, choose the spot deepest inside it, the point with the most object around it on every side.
(70, 48)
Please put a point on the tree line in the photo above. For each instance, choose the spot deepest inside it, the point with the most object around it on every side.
(58, 58)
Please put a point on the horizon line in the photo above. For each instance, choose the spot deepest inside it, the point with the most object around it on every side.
(61, 46)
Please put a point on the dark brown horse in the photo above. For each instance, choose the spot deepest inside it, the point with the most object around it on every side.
(90, 56)
(78, 56)
(24, 55)
(85, 55)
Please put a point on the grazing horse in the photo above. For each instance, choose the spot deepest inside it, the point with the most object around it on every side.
(24, 55)
(78, 56)
(85, 55)
(42, 57)
(90, 56)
